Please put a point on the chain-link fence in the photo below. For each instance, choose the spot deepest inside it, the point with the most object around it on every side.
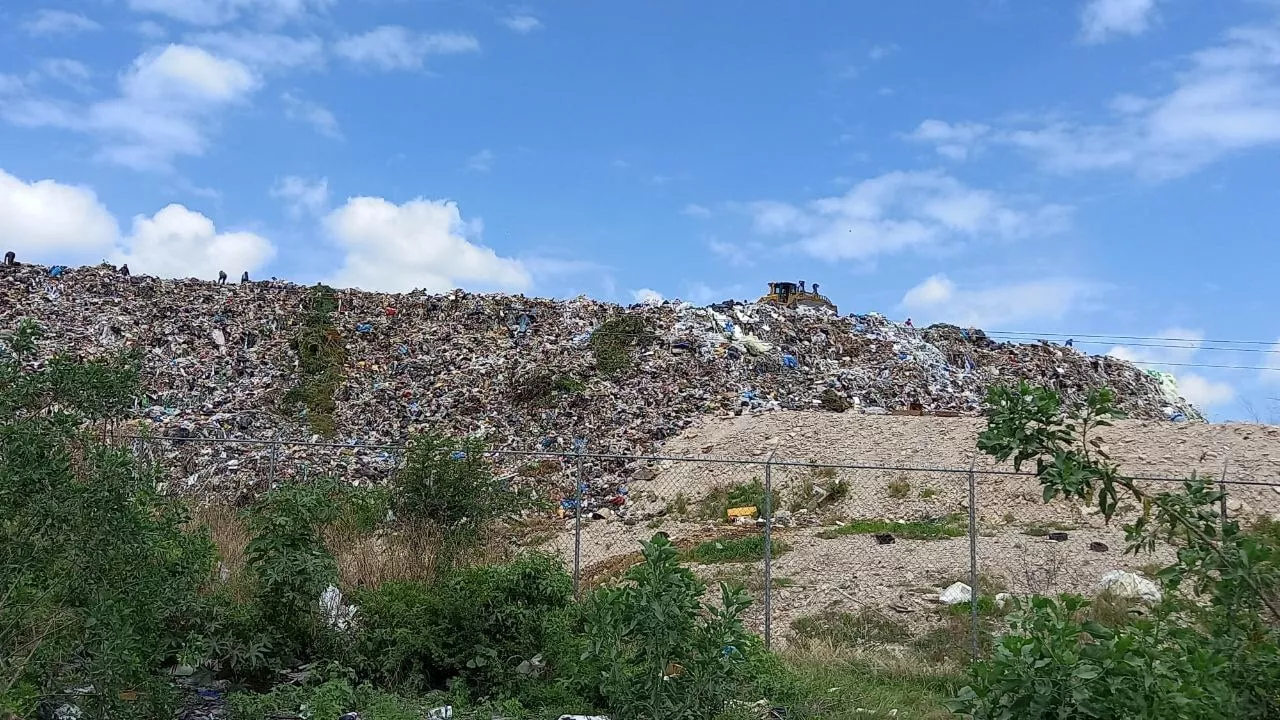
(905, 551)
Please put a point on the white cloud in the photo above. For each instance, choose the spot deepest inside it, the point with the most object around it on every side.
(647, 296)
(523, 23)
(177, 242)
(150, 29)
(166, 102)
(264, 51)
(900, 211)
(419, 244)
(737, 255)
(302, 196)
(58, 22)
(50, 222)
(937, 298)
(65, 70)
(218, 12)
(314, 114)
(481, 161)
(880, 52)
(1102, 20)
(696, 210)
(1226, 100)
(952, 141)
(1199, 390)
(11, 84)
(392, 47)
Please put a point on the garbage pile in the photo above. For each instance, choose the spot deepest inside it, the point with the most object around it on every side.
(221, 361)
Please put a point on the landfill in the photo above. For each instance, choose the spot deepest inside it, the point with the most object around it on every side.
(219, 362)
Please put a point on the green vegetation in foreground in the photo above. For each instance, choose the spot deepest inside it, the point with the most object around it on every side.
(830, 686)
(732, 550)
(939, 529)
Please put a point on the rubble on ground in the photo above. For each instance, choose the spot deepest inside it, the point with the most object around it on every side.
(220, 361)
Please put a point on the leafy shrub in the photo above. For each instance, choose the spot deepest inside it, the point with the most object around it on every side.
(1052, 665)
(484, 626)
(611, 343)
(898, 489)
(449, 484)
(657, 650)
(325, 700)
(96, 568)
(290, 565)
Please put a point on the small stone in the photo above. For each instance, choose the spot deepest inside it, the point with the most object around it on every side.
(1098, 546)
(1058, 536)
(884, 539)
(644, 474)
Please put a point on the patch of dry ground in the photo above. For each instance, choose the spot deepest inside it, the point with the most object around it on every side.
(849, 572)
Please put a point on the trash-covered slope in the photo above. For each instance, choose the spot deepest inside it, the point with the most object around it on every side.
(222, 360)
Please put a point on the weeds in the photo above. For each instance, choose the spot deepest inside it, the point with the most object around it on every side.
(717, 503)
(898, 489)
(733, 550)
(928, 493)
(612, 342)
(321, 357)
(850, 630)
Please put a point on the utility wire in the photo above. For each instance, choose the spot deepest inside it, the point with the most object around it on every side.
(1131, 337)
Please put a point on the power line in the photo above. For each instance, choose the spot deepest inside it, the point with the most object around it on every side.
(1201, 365)
(1011, 336)
(1130, 337)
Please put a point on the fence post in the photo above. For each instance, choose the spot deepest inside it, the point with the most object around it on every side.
(973, 559)
(579, 482)
(1222, 501)
(768, 551)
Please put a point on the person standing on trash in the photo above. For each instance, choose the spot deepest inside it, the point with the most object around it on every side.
(909, 323)
(10, 259)
(222, 277)
(124, 270)
(244, 277)
(1071, 342)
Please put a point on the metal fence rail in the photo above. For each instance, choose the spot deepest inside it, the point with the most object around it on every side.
(805, 538)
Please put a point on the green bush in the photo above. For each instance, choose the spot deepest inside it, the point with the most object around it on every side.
(611, 343)
(96, 567)
(716, 504)
(327, 701)
(290, 565)
(1052, 665)
(656, 650)
(483, 626)
(448, 484)
(733, 550)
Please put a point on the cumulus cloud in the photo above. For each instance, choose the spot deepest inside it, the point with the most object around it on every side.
(44, 23)
(647, 296)
(392, 47)
(177, 242)
(54, 223)
(937, 298)
(901, 211)
(219, 12)
(47, 221)
(1201, 391)
(522, 22)
(302, 196)
(166, 102)
(320, 118)
(419, 244)
(696, 210)
(1102, 20)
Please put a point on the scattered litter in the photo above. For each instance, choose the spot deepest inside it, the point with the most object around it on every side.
(1128, 585)
(956, 594)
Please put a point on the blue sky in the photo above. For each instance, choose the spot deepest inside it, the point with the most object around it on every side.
(1088, 166)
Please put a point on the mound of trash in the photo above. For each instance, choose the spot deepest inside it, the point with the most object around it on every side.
(272, 359)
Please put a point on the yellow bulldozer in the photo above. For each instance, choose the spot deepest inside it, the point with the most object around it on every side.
(792, 295)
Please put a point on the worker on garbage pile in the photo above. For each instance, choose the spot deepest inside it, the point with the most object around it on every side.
(1071, 342)
(801, 284)
(222, 277)
(124, 270)
(244, 276)
(9, 259)
(815, 288)
(909, 323)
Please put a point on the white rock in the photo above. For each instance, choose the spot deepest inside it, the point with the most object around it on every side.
(1129, 585)
(1003, 600)
(956, 594)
